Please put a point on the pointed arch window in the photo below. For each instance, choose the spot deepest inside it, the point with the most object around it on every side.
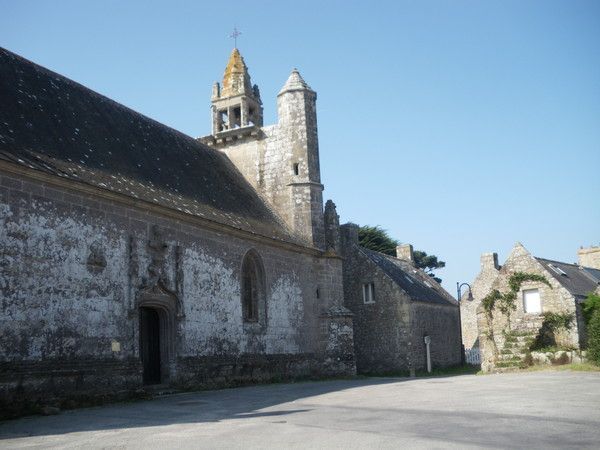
(253, 288)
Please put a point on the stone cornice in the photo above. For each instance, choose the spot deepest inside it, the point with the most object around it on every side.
(236, 134)
(307, 183)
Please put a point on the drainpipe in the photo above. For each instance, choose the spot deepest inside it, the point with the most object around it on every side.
(427, 340)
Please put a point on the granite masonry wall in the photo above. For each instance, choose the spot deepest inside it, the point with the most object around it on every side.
(76, 267)
(389, 332)
(589, 257)
(553, 299)
(480, 287)
(382, 329)
(440, 323)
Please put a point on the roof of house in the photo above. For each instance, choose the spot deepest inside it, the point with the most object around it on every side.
(578, 280)
(54, 125)
(416, 283)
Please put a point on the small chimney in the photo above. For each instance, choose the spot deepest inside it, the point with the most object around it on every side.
(405, 252)
(589, 257)
(489, 261)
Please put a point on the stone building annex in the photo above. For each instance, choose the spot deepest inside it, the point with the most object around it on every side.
(132, 254)
(564, 293)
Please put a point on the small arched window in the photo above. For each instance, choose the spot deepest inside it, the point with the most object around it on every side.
(253, 291)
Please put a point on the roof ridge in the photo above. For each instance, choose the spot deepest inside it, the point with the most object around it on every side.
(556, 261)
(419, 276)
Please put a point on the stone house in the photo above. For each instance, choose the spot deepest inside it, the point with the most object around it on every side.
(132, 254)
(395, 306)
(568, 287)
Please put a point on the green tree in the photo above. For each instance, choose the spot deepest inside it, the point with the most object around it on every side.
(591, 304)
(377, 239)
(428, 263)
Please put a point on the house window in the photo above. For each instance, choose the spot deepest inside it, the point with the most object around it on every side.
(252, 287)
(558, 270)
(368, 291)
(531, 301)
(296, 169)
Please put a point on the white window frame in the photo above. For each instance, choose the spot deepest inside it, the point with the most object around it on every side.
(526, 310)
(368, 292)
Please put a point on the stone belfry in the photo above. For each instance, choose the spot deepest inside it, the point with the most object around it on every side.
(236, 103)
(281, 161)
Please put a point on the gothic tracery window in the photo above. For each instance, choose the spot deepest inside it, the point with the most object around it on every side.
(252, 287)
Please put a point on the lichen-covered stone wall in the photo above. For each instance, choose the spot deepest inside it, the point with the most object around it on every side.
(75, 269)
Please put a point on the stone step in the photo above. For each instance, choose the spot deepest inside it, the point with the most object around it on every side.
(507, 364)
(510, 358)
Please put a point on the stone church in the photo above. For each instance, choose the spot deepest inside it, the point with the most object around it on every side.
(133, 255)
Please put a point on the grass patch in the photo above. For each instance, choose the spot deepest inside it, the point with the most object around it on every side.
(505, 364)
(579, 367)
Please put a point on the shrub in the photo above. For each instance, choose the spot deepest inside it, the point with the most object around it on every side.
(556, 321)
(553, 322)
(591, 304)
(593, 332)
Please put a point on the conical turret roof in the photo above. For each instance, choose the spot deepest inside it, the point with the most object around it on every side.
(295, 82)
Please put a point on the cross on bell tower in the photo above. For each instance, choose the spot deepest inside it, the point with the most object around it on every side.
(234, 35)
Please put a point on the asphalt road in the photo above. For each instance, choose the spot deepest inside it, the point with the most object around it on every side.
(530, 410)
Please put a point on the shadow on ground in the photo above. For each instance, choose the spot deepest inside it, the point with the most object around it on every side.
(525, 410)
(193, 407)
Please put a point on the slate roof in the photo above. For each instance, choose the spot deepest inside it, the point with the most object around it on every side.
(415, 282)
(54, 125)
(578, 280)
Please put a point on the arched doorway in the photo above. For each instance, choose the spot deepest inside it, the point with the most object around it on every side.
(157, 331)
(150, 345)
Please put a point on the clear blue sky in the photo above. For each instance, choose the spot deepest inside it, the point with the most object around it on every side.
(459, 126)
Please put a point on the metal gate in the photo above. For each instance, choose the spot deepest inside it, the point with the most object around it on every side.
(472, 356)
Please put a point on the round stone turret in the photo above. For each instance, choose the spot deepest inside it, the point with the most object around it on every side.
(295, 82)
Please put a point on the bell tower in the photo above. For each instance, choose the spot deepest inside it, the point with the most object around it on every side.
(235, 103)
(281, 161)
